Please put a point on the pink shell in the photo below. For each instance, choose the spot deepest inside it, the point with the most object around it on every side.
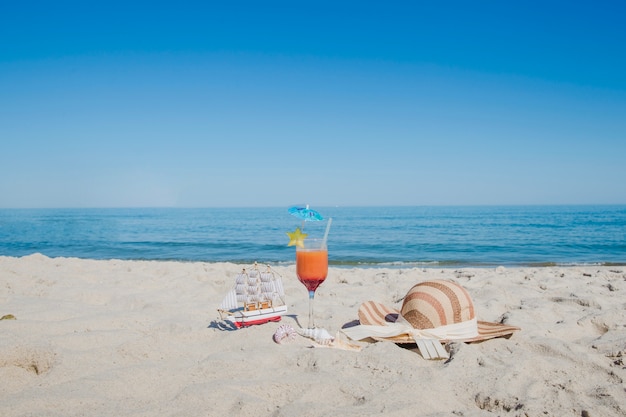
(284, 333)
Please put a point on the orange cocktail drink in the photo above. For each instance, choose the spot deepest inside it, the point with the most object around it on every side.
(312, 267)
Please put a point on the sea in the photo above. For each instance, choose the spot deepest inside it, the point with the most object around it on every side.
(396, 237)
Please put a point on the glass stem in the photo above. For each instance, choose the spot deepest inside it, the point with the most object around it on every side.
(311, 323)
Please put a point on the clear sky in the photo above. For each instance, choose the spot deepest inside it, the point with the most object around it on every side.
(273, 103)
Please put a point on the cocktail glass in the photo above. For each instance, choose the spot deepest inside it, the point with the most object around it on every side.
(312, 268)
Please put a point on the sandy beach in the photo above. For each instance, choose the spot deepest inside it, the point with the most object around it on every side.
(140, 338)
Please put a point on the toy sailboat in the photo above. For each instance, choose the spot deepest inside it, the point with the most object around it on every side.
(258, 297)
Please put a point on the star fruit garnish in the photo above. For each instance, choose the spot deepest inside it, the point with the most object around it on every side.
(296, 238)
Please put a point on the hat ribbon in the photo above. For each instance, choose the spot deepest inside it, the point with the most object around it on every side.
(427, 340)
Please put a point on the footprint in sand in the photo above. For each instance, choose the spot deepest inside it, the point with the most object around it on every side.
(36, 360)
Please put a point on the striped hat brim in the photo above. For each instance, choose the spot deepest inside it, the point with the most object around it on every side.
(377, 314)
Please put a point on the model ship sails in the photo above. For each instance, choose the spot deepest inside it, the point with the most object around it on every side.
(258, 296)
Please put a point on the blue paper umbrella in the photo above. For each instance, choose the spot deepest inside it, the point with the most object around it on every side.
(305, 213)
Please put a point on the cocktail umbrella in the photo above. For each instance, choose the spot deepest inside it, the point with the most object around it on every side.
(305, 213)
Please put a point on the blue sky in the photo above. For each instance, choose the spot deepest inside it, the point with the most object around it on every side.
(206, 104)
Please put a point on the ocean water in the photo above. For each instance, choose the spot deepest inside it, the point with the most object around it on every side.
(426, 236)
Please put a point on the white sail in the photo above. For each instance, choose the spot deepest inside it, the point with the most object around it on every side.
(230, 301)
(241, 287)
(279, 288)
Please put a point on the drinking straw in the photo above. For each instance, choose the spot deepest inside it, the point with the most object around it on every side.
(330, 220)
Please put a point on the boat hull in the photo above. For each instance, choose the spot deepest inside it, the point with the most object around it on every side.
(241, 318)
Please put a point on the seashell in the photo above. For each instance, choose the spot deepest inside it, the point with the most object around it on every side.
(284, 333)
(320, 336)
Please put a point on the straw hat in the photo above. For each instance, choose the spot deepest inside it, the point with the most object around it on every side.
(433, 313)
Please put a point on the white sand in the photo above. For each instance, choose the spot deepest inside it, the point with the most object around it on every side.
(129, 338)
